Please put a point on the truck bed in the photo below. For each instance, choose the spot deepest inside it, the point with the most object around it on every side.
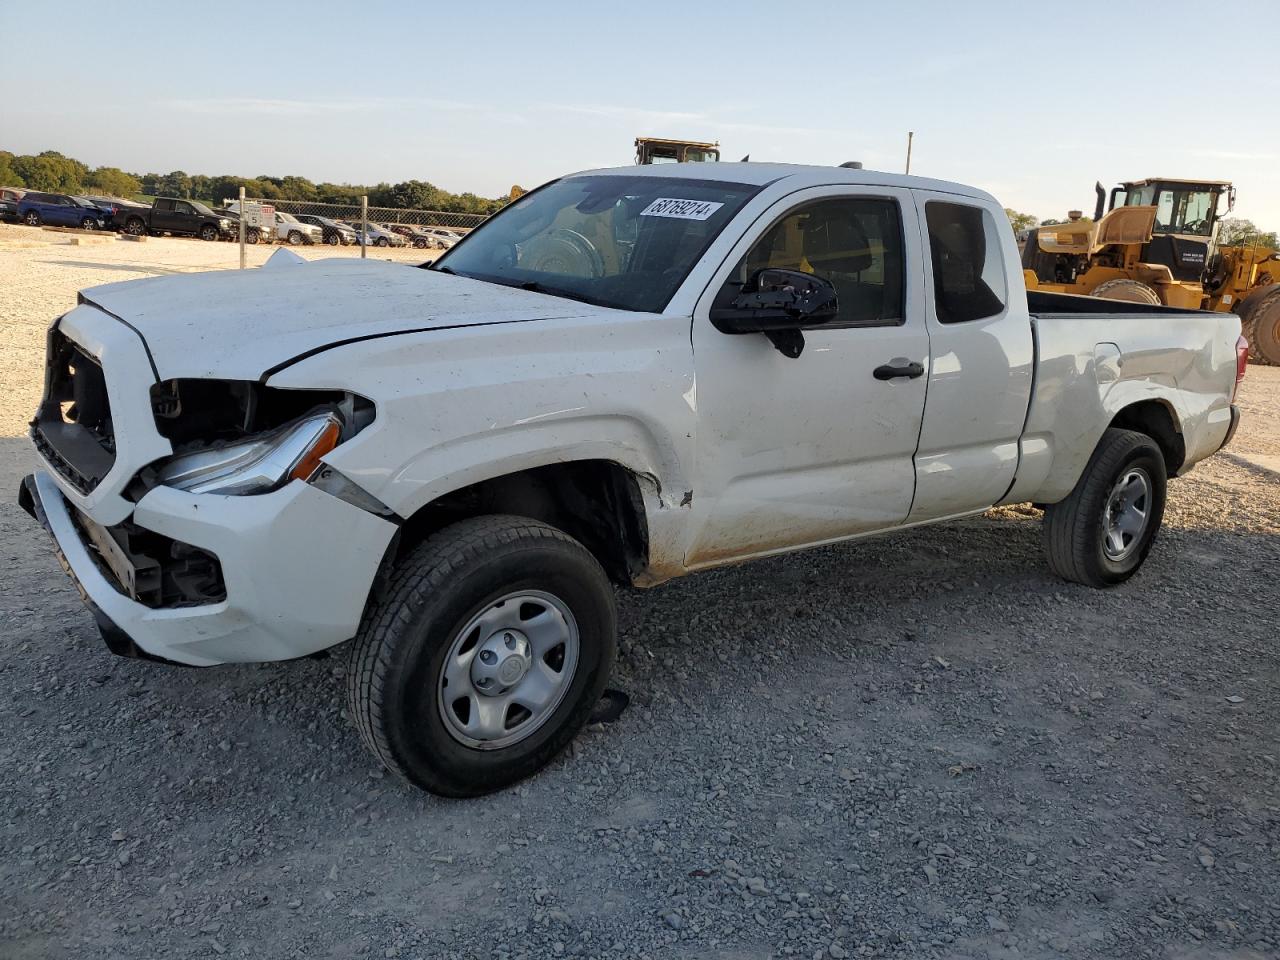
(1043, 304)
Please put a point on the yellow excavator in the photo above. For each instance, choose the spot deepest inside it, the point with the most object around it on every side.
(1157, 243)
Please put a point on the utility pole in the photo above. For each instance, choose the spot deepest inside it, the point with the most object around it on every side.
(910, 136)
(242, 228)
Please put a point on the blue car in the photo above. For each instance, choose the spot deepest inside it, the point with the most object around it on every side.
(59, 210)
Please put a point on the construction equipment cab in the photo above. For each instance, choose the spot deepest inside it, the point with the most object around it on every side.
(1153, 245)
(655, 150)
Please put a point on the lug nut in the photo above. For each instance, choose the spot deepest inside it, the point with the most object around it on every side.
(509, 640)
(488, 656)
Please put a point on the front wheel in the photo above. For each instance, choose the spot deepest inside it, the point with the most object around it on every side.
(383, 241)
(331, 239)
(484, 656)
(208, 233)
(88, 223)
(295, 237)
(1102, 532)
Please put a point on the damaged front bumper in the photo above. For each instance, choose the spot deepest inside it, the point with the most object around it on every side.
(297, 566)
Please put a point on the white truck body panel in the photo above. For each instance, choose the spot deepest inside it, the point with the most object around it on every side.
(738, 451)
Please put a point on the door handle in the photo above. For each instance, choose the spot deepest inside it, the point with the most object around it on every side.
(898, 367)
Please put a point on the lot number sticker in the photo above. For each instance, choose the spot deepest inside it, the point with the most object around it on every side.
(681, 209)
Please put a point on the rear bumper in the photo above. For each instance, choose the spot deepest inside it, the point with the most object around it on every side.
(298, 565)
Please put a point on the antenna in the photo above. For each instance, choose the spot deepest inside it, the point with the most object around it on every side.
(910, 137)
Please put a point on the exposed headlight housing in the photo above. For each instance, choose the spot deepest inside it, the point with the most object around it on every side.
(259, 464)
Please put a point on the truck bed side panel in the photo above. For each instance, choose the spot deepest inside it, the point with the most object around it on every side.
(1090, 366)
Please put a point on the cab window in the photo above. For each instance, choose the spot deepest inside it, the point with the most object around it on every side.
(855, 243)
(968, 270)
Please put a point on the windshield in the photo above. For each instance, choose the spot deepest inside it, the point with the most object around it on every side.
(201, 208)
(618, 241)
(1185, 210)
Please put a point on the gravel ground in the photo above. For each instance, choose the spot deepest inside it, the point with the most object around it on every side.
(917, 746)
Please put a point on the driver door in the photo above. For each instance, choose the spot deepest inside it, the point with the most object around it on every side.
(793, 452)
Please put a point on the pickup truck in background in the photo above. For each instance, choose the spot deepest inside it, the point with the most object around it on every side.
(175, 216)
(623, 377)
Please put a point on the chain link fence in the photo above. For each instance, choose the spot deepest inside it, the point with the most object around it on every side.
(350, 213)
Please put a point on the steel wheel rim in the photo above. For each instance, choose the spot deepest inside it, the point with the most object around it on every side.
(1126, 515)
(508, 670)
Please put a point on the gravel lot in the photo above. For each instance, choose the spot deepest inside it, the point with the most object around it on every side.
(917, 746)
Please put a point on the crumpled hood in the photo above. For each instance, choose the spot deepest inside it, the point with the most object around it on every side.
(238, 324)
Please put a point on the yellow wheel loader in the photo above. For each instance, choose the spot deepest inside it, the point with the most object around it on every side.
(1157, 243)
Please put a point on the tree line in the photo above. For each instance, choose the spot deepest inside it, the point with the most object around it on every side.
(52, 172)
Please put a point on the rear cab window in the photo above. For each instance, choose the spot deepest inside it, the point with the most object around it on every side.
(969, 280)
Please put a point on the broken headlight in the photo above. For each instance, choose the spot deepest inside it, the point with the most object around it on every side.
(258, 464)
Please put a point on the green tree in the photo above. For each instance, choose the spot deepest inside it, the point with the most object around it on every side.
(1020, 221)
(176, 184)
(49, 172)
(114, 182)
(297, 188)
(9, 177)
(1238, 232)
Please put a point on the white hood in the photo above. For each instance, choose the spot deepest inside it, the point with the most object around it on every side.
(238, 324)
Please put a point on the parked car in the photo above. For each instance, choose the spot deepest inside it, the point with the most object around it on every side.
(9, 198)
(292, 230)
(447, 238)
(334, 232)
(420, 237)
(59, 210)
(380, 235)
(452, 464)
(113, 207)
(176, 216)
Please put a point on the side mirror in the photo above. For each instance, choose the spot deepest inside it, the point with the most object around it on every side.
(779, 303)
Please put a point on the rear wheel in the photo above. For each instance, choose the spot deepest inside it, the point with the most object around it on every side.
(1264, 337)
(1126, 290)
(135, 227)
(32, 219)
(1102, 532)
(484, 656)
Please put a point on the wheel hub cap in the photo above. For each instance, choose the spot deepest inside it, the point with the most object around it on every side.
(501, 663)
(508, 670)
(1125, 518)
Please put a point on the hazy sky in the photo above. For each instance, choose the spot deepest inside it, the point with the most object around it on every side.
(1032, 101)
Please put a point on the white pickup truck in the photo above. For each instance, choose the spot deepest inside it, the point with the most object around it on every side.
(625, 376)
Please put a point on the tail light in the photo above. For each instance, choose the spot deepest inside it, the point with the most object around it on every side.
(1242, 364)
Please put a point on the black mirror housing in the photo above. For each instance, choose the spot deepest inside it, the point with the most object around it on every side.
(778, 299)
(780, 304)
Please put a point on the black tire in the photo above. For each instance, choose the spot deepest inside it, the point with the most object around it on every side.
(1264, 330)
(88, 223)
(208, 233)
(251, 235)
(32, 219)
(397, 659)
(295, 237)
(420, 244)
(135, 227)
(1073, 528)
(331, 239)
(382, 242)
